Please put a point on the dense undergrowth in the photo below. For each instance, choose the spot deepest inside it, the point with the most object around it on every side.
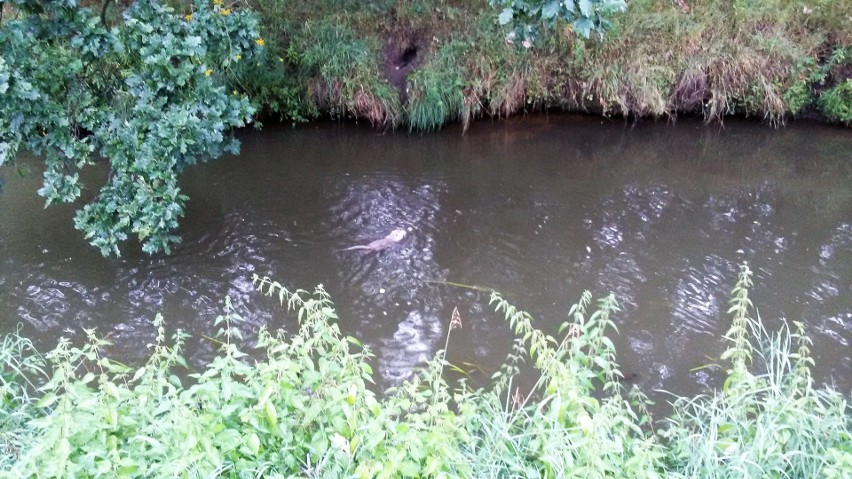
(305, 409)
(420, 64)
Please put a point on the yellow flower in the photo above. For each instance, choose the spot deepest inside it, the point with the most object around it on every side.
(208, 72)
(260, 42)
(226, 12)
(188, 17)
(238, 57)
(217, 2)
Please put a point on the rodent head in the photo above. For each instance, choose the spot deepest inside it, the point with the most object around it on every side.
(397, 234)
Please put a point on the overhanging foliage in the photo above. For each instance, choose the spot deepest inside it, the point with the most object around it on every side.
(146, 93)
(584, 16)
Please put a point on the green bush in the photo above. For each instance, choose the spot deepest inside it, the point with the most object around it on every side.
(146, 92)
(836, 103)
(584, 16)
(301, 407)
(797, 97)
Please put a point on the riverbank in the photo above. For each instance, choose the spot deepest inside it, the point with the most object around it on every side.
(419, 65)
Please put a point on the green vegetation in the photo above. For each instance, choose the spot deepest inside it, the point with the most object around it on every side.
(143, 88)
(836, 103)
(584, 16)
(423, 63)
(305, 409)
(155, 87)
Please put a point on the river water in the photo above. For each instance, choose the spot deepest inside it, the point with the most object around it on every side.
(539, 208)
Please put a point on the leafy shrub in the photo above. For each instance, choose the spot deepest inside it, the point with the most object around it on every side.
(147, 94)
(304, 409)
(797, 97)
(584, 16)
(836, 103)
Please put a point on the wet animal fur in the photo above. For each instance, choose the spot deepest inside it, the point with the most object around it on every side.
(392, 238)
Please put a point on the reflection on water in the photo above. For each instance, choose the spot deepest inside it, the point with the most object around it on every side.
(537, 208)
(391, 282)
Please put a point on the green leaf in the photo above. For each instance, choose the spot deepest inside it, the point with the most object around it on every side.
(409, 468)
(587, 7)
(583, 27)
(47, 400)
(551, 9)
(228, 440)
(253, 442)
(506, 16)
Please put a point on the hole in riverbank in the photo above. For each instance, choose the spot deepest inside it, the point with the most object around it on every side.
(408, 56)
(404, 53)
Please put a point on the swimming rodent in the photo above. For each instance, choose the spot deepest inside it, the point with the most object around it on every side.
(392, 238)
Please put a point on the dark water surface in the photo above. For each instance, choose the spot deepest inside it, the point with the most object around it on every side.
(539, 208)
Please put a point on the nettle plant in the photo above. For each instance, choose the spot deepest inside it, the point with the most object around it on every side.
(301, 406)
(146, 92)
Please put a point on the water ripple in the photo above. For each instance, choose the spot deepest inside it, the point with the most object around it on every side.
(700, 296)
(378, 284)
(661, 220)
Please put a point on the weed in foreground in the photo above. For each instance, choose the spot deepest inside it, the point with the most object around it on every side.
(304, 409)
(770, 424)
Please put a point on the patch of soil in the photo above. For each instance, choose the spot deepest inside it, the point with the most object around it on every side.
(403, 53)
(840, 74)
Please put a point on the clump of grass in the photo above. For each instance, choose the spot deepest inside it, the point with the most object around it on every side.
(344, 73)
(20, 362)
(767, 424)
(836, 103)
(435, 90)
(502, 78)
(323, 58)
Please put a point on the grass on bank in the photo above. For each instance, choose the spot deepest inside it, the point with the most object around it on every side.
(305, 410)
(420, 64)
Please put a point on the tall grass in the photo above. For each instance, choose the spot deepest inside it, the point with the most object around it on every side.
(21, 365)
(560, 429)
(771, 59)
(301, 407)
(345, 72)
(435, 91)
(770, 423)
